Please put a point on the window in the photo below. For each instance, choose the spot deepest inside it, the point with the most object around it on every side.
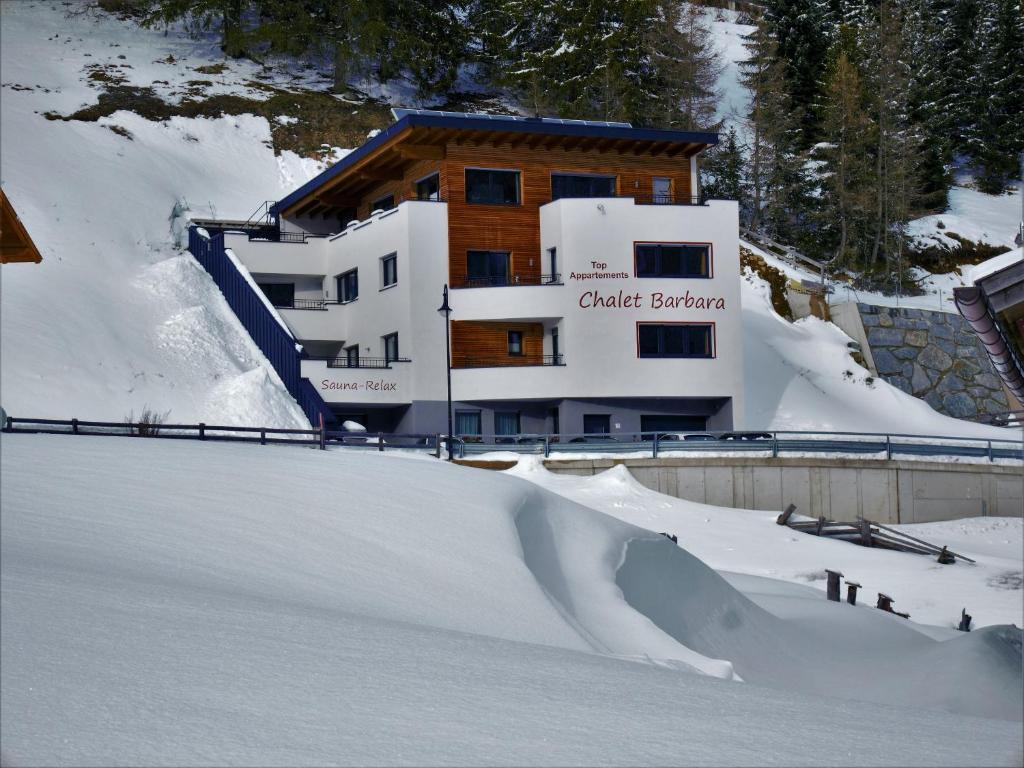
(487, 267)
(389, 270)
(553, 259)
(385, 203)
(675, 340)
(515, 343)
(556, 358)
(555, 427)
(352, 356)
(673, 260)
(391, 347)
(506, 422)
(429, 188)
(597, 423)
(468, 423)
(492, 187)
(348, 286)
(279, 294)
(566, 185)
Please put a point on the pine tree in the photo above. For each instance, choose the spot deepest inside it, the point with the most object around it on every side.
(996, 138)
(722, 172)
(203, 15)
(848, 199)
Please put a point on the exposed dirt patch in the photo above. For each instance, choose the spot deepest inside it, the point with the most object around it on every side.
(212, 69)
(940, 259)
(775, 278)
(120, 130)
(322, 118)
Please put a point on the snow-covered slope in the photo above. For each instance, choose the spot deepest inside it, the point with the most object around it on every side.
(737, 541)
(260, 614)
(115, 318)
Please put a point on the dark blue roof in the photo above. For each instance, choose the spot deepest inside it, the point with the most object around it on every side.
(532, 125)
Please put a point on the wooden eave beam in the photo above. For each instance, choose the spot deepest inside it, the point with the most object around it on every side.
(304, 207)
(518, 140)
(422, 152)
(626, 146)
(604, 145)
(677, 149)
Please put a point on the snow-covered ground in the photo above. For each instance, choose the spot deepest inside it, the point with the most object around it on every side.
(750, 542)
(278, 608)
(115, 318)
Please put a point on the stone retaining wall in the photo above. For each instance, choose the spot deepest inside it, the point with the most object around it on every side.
(934, 356)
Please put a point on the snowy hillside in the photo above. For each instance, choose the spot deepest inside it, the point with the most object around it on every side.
(254, 615)
(115, 318)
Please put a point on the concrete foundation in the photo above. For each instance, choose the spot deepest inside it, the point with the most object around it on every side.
(838, 489)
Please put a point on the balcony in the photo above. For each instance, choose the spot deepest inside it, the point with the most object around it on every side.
(508, 281)
(314, 319)
(507, 361)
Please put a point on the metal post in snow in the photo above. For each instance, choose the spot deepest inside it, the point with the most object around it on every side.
(202, 431)
(74, 426)
(654, 448)
(380, 442)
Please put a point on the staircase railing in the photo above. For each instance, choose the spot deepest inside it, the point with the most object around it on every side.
(266, 331)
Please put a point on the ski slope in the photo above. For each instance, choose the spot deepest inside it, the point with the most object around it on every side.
(278, 608)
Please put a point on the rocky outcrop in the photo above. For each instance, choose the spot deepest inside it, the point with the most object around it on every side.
(934, 356)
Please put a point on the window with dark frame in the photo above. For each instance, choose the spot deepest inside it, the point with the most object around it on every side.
(597, 423)
(385, 203)
(581, 185)
(673, 260)
(468, 423)
(676, 340)
(492, 187)
(391, 347)
(429, 188)
(515, 343)
(389, 270)
(488, 268)
(352, 356)
(348, 286)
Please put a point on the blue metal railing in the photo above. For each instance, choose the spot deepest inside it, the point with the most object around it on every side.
(273, 340)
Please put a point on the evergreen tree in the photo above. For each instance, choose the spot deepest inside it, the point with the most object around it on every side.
(996, 137)
(203, 15)
(722, 172)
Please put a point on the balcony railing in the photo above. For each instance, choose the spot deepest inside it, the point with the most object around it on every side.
(362, 362)
(646, 199)
(509, 281)
(318, 304)
(508, 361)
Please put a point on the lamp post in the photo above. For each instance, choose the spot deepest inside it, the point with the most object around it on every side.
(446, 310)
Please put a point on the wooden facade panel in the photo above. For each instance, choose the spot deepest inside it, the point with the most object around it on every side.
(403, 189)
(517, 228)
(476, 343)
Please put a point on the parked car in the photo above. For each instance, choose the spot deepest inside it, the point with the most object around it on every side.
(593, 439)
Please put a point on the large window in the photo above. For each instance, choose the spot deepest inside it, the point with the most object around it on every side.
(675, 340)
(279, 294)
(566, 185)
(385, 203)
(428, 188)
(348, 286)
(388, 271)
(391, 347)
(673, 260)
(485, 268)
(492, 187)
(468, 423)
(506, 423)
(597, 423)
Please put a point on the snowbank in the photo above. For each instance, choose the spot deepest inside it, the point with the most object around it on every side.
(256, 614)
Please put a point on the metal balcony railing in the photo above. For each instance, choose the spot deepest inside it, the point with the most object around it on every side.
(317, 304)
(503, 281)
(508, 361)
(362, 362)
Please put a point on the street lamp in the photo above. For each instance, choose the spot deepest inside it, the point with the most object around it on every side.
(446, 310)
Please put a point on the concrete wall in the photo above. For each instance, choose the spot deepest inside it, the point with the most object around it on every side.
(838, 489)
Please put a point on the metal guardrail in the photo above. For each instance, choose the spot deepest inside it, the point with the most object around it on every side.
(322, 437)
(311, 304)
(774, 444)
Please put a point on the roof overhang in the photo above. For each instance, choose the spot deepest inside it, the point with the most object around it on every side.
(425, 136)
(15, 243)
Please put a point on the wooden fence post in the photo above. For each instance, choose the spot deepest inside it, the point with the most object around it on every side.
(323, 434)
(851, 592)
(833, 585)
